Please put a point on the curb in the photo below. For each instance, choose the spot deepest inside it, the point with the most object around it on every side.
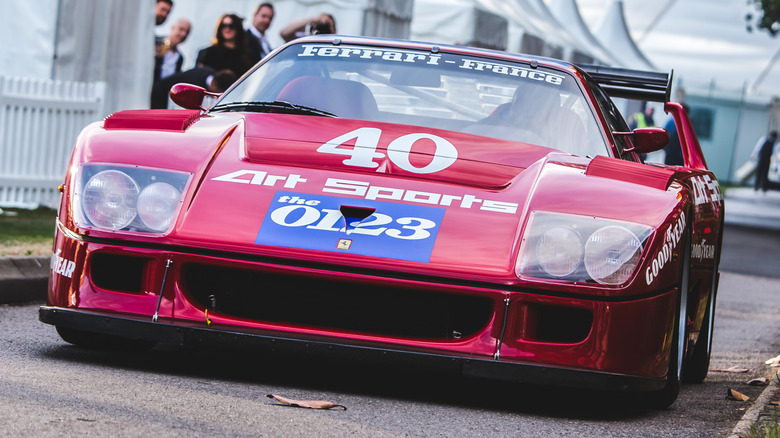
(23, 279)
(760, 406)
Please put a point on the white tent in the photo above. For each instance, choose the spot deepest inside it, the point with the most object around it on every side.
(567, 11)
(574, 50)
(27, 51)
(528, 26)
(613, 33)
(83, 41)
(459, 22)
(525, 33)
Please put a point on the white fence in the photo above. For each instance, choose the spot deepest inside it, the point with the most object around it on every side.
(39, 122)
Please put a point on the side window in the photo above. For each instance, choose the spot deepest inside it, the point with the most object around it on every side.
(614, 119)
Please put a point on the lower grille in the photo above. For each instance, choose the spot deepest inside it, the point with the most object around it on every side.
(339, 304)
(118, 272)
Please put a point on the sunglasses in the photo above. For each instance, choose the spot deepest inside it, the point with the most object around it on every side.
(230, 25)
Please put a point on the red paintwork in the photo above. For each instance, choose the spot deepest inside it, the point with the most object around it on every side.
(692, 154)
(632, 323)
(155, 120)
(630, 172)
(268, 140)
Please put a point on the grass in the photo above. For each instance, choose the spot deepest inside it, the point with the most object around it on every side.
(26, 232)
(765, 428)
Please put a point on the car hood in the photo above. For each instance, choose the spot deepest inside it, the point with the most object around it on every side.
(273, 189)
(388, 149)
(433, 202)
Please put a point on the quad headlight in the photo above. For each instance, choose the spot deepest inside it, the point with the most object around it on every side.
(127, 198)
(581, 248)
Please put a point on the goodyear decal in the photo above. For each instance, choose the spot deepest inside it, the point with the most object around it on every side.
(311, 221)
(703, 250)
(61, 265)
(673, 235)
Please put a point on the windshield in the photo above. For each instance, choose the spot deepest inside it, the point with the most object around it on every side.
(455, 92)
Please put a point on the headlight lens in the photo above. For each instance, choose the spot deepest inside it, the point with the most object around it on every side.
(559, 251)
(157, 204)
(127, 198)
(611, 254)
(581, 248)
(109, 199)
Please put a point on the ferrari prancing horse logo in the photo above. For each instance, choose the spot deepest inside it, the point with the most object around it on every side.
(344, 244)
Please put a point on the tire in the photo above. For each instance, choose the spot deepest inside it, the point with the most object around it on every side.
(698, 364)
(102, 341)
(664, 398)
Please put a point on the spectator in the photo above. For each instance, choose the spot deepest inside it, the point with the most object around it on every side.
(257, 43)
(228, 48)
(764, 150)
(673, 151)
(206, 77)
(168, 60)
(321, 24)
(162, 10)
(642, 119)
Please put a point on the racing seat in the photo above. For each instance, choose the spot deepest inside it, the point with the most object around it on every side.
(344, 98)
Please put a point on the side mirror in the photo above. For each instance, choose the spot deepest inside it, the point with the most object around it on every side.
(189, 96)
(646, 140)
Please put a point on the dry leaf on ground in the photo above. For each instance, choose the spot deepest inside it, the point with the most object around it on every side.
(733, 369)
(761, 381)
(311, 404)
(774, 362)
(736, 395)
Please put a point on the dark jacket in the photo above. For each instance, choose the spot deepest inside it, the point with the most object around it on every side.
(196, 76)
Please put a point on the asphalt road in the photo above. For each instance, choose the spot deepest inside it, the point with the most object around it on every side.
(752, 252)
(49, 388)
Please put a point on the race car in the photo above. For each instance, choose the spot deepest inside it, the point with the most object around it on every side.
(483, 212)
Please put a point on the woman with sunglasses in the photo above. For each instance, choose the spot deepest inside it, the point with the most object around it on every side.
(228, 48)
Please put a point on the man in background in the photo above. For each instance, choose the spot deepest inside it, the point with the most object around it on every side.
(673, 151)
(257, 44)
(763, 151)
(162, 10)
(642, 119)
(202, 76)
(167, 58)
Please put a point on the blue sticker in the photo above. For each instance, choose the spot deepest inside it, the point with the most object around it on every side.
(393, 230)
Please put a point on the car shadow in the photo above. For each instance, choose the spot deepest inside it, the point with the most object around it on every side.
(363, 379)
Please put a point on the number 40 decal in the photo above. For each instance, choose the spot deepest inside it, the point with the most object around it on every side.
(363, 153)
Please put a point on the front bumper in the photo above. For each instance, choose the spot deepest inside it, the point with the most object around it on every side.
(194, 334)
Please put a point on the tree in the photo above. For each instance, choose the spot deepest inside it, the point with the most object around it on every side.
(768, 18)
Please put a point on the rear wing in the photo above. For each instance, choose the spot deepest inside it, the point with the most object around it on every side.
(631, 84)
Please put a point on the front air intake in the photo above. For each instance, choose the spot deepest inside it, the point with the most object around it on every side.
(341, 304)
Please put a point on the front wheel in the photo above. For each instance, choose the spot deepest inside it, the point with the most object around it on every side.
(698, 364)
(665, 397)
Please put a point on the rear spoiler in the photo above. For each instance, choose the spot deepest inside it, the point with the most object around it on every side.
(631, 84)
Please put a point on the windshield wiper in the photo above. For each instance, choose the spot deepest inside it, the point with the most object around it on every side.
(276, 106)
